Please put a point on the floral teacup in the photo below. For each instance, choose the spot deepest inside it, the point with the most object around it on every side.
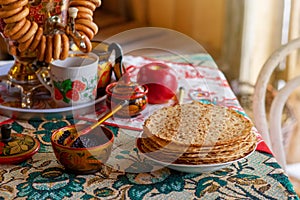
(72, 81)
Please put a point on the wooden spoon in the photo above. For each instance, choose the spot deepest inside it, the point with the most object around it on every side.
(73, 137)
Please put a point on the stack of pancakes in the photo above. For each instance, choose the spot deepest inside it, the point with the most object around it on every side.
(197, 133)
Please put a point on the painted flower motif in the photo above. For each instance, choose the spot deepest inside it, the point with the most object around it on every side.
(68, 90)
(104, 192)
(45, 129)
(62, 185)
(18, 146)
(35, 12)
(162, 180)
(78, 85)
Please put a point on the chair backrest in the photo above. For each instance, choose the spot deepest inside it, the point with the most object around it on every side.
(271, 129)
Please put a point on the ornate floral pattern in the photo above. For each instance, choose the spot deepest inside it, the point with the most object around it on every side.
(44, 128)
(39, 9)
(42, 177)
(68, 90)
(51, 183)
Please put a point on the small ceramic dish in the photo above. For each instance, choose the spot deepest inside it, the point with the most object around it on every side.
(86, 155)
(16, 148)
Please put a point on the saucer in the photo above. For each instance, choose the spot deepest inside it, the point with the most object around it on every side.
(43, 106)
(18, 149)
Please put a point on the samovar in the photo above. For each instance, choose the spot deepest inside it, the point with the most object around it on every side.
(38, 31)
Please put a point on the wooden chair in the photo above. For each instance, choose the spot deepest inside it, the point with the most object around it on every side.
(271, 129)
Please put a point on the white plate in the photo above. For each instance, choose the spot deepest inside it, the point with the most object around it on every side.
(203, 168)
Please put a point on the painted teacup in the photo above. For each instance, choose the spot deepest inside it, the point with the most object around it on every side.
(72, 81)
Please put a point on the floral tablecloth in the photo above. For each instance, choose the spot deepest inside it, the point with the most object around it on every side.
(42, 177)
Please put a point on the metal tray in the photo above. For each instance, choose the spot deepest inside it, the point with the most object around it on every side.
(49, 113)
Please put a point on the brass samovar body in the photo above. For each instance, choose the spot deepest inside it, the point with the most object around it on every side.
(51, 15)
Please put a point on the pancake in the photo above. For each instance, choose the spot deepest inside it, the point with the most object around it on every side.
(197, 133)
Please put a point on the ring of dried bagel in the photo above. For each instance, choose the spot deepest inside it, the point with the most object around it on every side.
(84, 9)
(87, 42)
(88, 4)
(30, 37)
(32, 30)
(41, 49)
(17, 17)
(37, 38)
(8, 13)
(15, 5)
(22, 31)
(96, 2)
(84, 15)
(49, 48)
(89, 24)
(25, 45)
(5, 2)
(56, 46)
(11, 29)
(65, 47)
(12, 49)
(86, 30)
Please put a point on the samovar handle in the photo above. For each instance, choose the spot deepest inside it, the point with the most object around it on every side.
(118, 67)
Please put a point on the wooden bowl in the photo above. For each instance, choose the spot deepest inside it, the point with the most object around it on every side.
(83, 160)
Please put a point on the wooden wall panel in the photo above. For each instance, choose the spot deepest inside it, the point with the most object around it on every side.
(184, 16)
(138, 11)
(202, 20)
(161, 13)
(208, 28)
(210, 23)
